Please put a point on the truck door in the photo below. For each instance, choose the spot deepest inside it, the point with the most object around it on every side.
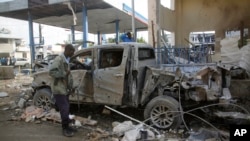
(109, 76)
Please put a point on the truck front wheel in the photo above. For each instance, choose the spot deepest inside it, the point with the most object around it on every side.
(43, 99)
(163, 112)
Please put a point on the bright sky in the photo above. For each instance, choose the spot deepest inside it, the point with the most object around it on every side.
(140, 6)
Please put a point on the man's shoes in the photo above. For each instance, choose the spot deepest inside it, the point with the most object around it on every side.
(67, 132)
(74, 130)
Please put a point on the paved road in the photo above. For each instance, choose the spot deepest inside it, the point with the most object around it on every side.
(46, 131)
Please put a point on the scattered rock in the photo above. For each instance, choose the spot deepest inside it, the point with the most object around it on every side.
(86, 121)
(6, 108)
(12, 105)
(21, 103)
(106, 111)
(3, 94)
(121, 128)
(77, 123)
(31, 113)
(3, 104)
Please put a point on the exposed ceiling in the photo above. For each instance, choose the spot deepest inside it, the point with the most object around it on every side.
(101, 15)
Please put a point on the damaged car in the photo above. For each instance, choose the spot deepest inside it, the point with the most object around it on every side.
(127, 74)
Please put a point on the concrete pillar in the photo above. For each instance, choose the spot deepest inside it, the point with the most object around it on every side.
(135, 35)
(154, 22)
(98, 37)
(219, 35)
(73, 34)
(31, 37)
(179, 23)
(85, 26)
(117, 40)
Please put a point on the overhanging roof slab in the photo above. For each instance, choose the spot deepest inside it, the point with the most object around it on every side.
(101, 15)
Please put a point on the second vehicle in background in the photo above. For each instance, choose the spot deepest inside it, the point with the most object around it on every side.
(24, 62)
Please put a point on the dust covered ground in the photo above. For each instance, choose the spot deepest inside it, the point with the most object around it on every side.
(16, 130)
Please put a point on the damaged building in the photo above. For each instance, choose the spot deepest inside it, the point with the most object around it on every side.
(229, 21)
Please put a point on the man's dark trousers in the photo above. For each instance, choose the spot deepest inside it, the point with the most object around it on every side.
(62, 102)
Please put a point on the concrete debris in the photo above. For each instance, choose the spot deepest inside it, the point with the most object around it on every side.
(106, 111)
(77, 123)
(231, 53)
(53, 115)
(21, 103)
(235, 115)
(131, 135)
(96, 136)
(86, 121)
(6, 108)
(2, 103)
(31, 113)
(114, 139)
(121, 128)
(132, 132)
(238, 73)
(204, 134)
(3, 94)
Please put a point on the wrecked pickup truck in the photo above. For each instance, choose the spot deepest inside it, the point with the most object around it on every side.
(127, 75)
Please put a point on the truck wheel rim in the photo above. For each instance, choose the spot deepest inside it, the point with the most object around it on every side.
(43, 102)
(162, 116)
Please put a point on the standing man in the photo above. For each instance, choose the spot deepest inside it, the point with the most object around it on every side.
(62, 86)
(127, 37)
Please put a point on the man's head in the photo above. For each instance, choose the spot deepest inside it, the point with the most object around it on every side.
(129, 35)
(69, 50)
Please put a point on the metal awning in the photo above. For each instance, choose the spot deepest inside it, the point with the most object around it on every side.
(101, 15)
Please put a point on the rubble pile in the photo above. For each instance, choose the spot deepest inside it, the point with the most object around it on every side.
(231, 53)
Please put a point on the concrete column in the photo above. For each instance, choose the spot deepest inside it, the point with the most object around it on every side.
(85, 26)
(154, 22)
(117, 31)
(179, 21)
(73, 34)
(135, 35)
(31, 37)
(98, 38)
(219, 35)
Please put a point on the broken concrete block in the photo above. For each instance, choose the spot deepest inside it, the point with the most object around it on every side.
(131, 135)
(6, 108)
(121, 128)
(114, 139)
(106, 111)
(54, 116)
(3, 94)
(115, 123)
(21, 103)
(31, 113)
(151, 134)
(86, 121)
(202, 73)
(77, 123)
(2, 103)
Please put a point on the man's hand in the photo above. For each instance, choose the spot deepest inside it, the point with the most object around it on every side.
(72, 92)
(68, 72)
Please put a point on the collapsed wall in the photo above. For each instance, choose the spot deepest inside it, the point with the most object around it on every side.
(230, 53)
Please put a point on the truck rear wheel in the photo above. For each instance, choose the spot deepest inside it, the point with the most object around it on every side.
(43, 99)
(163, 112)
